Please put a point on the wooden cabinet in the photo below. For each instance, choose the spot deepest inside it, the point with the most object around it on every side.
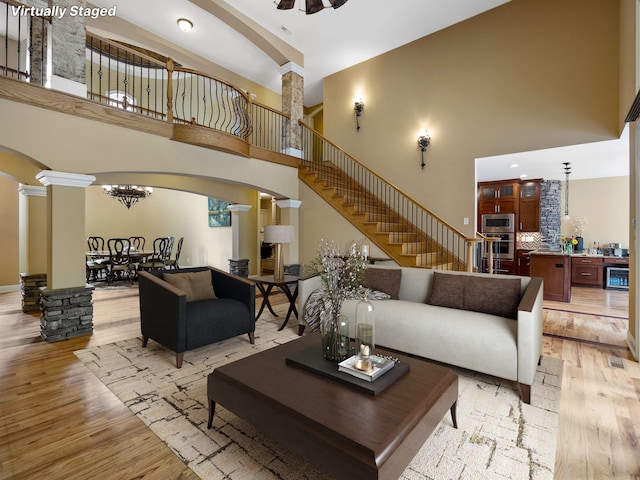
(529, 206)
(587, 271)
(555, 271)
(523, 262)
(498, 197)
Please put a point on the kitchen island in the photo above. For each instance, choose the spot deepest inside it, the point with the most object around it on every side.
(555, 270)
(561, 271)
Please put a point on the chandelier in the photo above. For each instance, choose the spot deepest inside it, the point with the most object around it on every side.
(312, 6)
(128, 195)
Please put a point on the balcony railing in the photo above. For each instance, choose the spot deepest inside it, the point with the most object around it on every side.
(22, 43)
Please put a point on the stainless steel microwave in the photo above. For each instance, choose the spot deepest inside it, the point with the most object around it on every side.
(498, 223)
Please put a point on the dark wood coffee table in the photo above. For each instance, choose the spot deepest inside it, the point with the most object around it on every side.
(347, 433)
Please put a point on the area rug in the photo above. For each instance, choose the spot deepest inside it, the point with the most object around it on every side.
(498, 437)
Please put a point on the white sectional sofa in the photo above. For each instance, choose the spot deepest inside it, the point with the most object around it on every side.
(490, 343)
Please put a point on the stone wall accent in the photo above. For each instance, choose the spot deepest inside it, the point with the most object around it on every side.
(239, 267)
(30, 286)
(68, 42)
(550, 209)
(66, 313)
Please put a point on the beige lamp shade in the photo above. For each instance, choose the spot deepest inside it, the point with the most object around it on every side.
(279, 233)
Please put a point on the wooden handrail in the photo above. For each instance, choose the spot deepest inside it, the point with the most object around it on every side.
(271, 109)
(445, 223)
(132, 51)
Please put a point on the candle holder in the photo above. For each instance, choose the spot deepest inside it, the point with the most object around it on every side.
(365, 339)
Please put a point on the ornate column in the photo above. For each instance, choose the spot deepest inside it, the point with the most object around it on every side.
(293, 105)
(66, 302)
(237, 264)
(289, 215)
(33, 245)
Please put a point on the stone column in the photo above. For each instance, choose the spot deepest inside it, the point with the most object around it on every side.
(550, 209)
(289, 215)
(33, 245)
(237, 264)
(38, 51)
(293, 105)
(67, 308)
(68, 39)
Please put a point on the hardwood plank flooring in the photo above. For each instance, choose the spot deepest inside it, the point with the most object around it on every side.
(57, 421)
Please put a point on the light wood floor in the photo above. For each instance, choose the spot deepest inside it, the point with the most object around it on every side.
(57, 421)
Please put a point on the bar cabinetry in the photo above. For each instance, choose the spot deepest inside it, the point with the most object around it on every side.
(587, 271)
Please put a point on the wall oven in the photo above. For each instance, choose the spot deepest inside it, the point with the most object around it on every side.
(498, 223)
(503, 245)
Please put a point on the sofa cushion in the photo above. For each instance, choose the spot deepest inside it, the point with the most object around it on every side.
(496, 296)
(385, 280)
(447, 290)
(197, 285)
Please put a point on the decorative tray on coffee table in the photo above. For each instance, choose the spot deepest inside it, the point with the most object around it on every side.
(311, 359)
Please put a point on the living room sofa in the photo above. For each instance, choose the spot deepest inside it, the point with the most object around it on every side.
(469, 320)
(188, 308)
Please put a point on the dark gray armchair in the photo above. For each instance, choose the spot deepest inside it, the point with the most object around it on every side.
(168, 318)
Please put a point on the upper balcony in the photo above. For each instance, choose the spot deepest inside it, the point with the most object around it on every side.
(200, 109)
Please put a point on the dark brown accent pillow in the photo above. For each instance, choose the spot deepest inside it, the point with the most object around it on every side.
(385, 280)
(197, 285)
(496, 296)
(447, 290)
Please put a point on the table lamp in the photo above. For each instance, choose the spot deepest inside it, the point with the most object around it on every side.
(279, 234)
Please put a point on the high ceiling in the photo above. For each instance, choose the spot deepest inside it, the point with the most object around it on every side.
(330, 40)
(334, 39)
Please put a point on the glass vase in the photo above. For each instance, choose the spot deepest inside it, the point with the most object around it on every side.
(334, 329)
(365, 340)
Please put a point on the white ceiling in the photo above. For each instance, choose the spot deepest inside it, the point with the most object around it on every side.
(334, 39)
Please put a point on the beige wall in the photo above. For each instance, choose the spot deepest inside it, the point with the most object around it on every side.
(519, 77)
(602, 203)
(9, 232)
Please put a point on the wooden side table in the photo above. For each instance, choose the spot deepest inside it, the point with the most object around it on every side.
(266, 283)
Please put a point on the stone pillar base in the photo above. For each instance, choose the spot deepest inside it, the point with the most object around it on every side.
(66, 313)
(30, 286)
(239, 267)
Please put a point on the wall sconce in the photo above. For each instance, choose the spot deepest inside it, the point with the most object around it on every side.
(358, 107)
(424, 139)
(184, 24)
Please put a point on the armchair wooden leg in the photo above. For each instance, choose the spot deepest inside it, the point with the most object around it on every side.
(525, 393)
(300, 330)
(144, 341)
(252, 337)
(179, 359)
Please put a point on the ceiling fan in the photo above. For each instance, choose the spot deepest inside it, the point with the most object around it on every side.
(312, 6)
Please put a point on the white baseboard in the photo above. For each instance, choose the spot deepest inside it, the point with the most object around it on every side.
(9, 288)
(68, 86)
(294, 152)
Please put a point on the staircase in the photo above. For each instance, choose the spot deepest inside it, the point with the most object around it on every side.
(407, 232)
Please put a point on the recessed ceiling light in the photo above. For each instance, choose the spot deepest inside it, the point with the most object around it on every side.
(514, 165)
(524, 175)
(184, 24)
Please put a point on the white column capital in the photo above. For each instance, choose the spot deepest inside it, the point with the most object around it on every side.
(32, 190)
(292, 67)
(64, 179)
(239, 208)
(289, 203)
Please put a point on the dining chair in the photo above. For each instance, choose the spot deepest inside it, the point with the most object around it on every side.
(137, 243)
(119, 260)
(96, 266)
(168, 250)
(173, 263)
(157, 259)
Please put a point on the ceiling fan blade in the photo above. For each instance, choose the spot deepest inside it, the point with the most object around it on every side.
(314, 6)
(285, 4)
(337, 3)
